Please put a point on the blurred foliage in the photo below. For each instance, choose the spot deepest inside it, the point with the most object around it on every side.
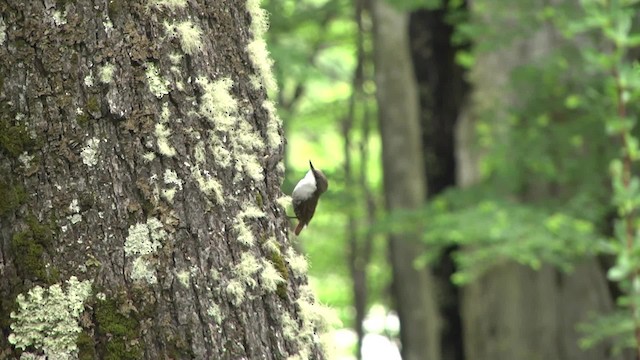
(545, 196)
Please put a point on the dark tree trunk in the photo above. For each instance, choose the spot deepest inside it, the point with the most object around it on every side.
(442, 93)
(404, 181)
(139, 173)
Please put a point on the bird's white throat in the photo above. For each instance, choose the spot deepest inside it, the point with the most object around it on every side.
(305, 187)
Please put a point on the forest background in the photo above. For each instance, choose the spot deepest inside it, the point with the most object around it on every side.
(528, 232)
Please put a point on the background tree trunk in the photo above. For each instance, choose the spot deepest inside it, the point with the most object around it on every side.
(404, 180)
(442, 92)
(139, 173)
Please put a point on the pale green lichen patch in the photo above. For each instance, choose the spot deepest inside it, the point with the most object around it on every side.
(271, 246)
(47, 318)
(89, 153)
(158, 86)
(274, 123)
(236, 291)
(150, 156)
(257, 48)
(217, 104)
(184, 276)
(284, 201)
(106, 73)
(252, 212)
(3, 31)
(189, 35)
(247, 268)
(297, 262)
(164, 145)
(169, 4)
(214, 311)
(243, 233)
(175, 58)
(208, 184)
(171, 178)
(143, 241)
(270, 278)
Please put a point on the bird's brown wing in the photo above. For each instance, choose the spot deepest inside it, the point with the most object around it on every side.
(304, 210)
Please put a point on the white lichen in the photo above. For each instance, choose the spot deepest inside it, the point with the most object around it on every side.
(89, 153)
(247, 268)
(88, 80)
(251, 211)
(244, 234)
(142, 241)
(297, 262)
(236, 291)
(209, 185)
(171, 177)
(169, 4)
(270, 278)
(59, 18)
(158, 86)
(271, 246)
(25, 159)
(284, 201)
(217, 104)
(47, 318)
(3, 31)
(149, 157)
(164, 146)
(290, 327)
(214, 311)
(189, 35)
(183, 277)
(257, 48)
(274, 123)
(106, 73)
(175, 58)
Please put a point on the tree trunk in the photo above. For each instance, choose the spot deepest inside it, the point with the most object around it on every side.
(442, 92)
(139, 173)
(404, 181)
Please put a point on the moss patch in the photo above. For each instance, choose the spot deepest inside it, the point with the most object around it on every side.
(277, 261)
(86, 346)
(29, 247)
(117, 332)
(14, 139)
(12, 197)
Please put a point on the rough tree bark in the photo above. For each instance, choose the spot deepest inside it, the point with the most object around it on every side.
(140, 172)
(404, 180)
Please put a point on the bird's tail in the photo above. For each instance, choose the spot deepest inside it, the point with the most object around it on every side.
(299, 228)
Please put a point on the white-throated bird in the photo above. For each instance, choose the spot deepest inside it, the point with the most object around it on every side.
(306, 194)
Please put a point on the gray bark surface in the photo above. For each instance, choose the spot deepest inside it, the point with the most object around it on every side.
(404, 181)
(87, 161)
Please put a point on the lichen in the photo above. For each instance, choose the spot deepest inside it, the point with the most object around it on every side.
(270, 278)
(158, 86)
(209, 185)
(236, 291)
(164, 146)
(214, 311)
(250, 211)
(106, 73)
(169, 4)
(297, 262)
(189, 35)
(257, 48)
(244, 234)
(142, 241)
(183, 277)
(274, 123)
(90, 152)
(47, 318)
(217, 104)
(3, 29)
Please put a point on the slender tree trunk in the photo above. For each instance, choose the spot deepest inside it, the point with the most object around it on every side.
(404, 181)
(139, 173)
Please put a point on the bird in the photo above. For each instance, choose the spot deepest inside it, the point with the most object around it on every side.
(306, 194)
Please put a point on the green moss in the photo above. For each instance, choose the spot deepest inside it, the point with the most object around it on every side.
(117, 332)
(259, 199)
(277, 261)
(29, 247)
(13, 197)
(82, 119)
(14, 139)
(115, 8)
(86, 346)
(93, 106)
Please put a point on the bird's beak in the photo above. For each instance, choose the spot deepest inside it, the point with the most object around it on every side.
(310, 164)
